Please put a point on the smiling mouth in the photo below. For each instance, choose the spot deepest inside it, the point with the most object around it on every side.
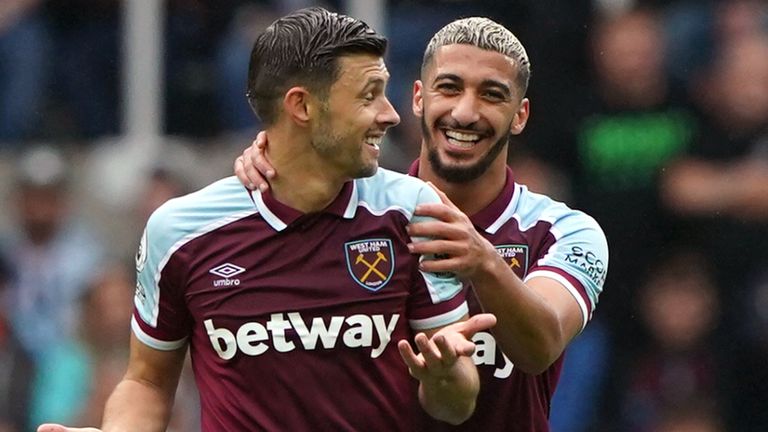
(462, 140)
(374, 142)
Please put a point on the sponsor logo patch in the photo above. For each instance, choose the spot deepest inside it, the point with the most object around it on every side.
(516, 256)
(370, 262)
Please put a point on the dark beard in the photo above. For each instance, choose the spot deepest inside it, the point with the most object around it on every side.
(464, 174)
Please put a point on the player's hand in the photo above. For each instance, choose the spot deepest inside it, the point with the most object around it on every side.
(438, 354)
(252, 168)
(451, 236)
(50, 427)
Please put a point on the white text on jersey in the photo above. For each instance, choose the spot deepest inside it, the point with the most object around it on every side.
(252, 337)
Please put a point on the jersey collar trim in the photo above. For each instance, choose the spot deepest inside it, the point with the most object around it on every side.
(279, 216)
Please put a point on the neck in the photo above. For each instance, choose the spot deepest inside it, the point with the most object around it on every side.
(303, 181)
(473, 196)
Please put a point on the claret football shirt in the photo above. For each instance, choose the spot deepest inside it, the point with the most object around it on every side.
(537, 237)
(293, 319)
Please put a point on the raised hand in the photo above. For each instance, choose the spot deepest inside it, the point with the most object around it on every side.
(439, 353)
(462, 250)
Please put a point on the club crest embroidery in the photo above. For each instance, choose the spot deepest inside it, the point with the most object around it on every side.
(516, 255)
(370, 262)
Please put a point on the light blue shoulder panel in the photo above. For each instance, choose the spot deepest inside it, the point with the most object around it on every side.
(581, 248)
(177, 222)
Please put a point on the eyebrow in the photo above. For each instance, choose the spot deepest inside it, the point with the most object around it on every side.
(373, 83)
(504, 88)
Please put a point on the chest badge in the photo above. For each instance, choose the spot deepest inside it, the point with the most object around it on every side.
(370, 262)
(516, 256)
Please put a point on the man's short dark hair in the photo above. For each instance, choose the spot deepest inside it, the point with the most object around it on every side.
(302, 49)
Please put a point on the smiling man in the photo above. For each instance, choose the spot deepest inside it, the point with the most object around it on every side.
(534, 263)
(290, 300)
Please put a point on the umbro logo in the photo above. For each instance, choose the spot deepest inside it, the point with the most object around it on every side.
(227, 271)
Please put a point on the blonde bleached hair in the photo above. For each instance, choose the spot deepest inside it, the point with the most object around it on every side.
(486, 34)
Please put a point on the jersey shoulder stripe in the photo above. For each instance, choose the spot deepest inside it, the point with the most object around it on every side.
(176, 223)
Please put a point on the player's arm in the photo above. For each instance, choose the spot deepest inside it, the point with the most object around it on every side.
(448, 379)
(143, 399)
(536, 320)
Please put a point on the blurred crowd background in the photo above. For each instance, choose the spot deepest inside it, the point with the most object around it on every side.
(652, 116)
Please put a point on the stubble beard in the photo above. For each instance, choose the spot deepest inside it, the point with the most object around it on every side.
(329, 146)
(461, 174)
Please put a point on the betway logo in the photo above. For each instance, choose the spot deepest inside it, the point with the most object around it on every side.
(254, 338)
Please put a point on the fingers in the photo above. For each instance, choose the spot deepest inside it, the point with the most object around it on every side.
(410, 358)
(258, 158)
(476, 323)
(253, 176)
(252, 167)
(438, 211)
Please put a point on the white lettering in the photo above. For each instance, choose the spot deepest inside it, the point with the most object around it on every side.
(309, 337)
(221, 335)
(360, 332)
(254, 338)
(249, 333)
(485, 354)
(278, 325)
(384, 331)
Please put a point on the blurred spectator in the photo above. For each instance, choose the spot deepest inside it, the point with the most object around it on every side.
(678, 365)
(72, 374)
(24, 50)
(630, 125)
(695, 27)
(16, 372)
(50, 252)
(720, 185)
(76, 379)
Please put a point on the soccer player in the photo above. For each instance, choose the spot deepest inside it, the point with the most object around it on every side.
(536, 264)
(289, 300)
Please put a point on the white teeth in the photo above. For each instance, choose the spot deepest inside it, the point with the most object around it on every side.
(374, 141)
(459, 136)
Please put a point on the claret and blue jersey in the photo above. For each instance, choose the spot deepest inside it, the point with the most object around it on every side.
(293, 319)
(537, 237)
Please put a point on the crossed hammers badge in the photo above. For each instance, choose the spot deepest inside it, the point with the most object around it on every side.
(370, 262)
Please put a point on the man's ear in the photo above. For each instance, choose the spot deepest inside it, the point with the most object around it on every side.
(521, 117)
(417, 103)
(296, 104)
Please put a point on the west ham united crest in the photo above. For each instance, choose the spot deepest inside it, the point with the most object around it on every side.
(516, 256)
(370, 262)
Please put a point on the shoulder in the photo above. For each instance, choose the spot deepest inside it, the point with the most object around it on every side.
(532, 208)
(201, 211)
(388, 190)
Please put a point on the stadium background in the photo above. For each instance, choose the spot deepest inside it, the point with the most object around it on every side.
(656, 123)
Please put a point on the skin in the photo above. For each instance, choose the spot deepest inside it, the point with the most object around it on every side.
(467, 90)
(317, 145)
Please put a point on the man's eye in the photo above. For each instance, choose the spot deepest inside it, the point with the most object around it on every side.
(497, 96)
(448, 88)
